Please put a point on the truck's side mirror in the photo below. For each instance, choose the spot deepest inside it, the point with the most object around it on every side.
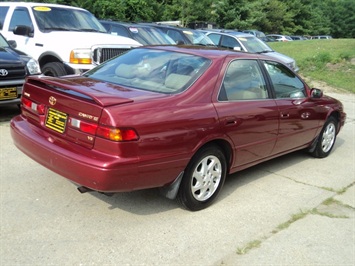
(23, 30)
(316, 93)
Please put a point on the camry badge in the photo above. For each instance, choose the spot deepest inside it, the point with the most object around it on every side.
(3, 72)
(52, 100)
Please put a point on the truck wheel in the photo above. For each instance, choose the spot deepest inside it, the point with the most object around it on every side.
(54, 69)
(203, 179)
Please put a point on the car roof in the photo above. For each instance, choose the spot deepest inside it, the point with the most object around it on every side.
(154, 24)
(207, 51)
(122, 23)
(232, 33)
(32, 4)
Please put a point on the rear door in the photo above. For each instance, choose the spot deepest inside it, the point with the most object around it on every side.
(248, 115)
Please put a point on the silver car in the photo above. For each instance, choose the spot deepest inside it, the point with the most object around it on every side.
(249, 43)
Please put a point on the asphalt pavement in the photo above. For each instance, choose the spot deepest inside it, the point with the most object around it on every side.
(293, 210)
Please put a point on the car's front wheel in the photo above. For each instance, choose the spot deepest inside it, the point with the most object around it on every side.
(326, 139)
(54, 69)
(203, 178)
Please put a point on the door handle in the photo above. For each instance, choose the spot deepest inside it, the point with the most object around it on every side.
(285, 115)
(232, 121)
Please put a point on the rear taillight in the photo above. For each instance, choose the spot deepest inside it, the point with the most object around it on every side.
(31, 105)
(114, 134)
(117, 134)
(83, 126)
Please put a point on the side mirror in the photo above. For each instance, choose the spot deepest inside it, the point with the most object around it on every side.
(316, 93)
(237, 48)
(12, 43)
(23, 30)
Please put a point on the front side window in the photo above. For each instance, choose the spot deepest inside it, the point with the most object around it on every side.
(20, 17)
(285, 83)
(229, 42)
(3, 12)
(243, 81)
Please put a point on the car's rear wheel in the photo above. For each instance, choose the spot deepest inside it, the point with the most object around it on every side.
(54, 69)
(326, 139)
(203, 178)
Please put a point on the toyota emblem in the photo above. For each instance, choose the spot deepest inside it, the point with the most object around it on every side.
(52, 100)
(3, 72)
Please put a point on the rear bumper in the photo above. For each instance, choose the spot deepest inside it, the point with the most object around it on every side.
(89, 168)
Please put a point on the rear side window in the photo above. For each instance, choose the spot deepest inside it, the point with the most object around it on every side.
(20, 17)
(3, 12)
(243, 81)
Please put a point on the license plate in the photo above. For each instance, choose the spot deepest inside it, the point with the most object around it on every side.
(56, 120)
(8, 93)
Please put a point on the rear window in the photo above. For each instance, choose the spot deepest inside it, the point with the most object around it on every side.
(152, 70)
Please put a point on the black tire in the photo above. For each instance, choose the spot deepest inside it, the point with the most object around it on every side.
(203, 178)
(54, 69)
(326, 139)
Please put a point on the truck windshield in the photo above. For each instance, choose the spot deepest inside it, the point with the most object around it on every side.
(65, 19)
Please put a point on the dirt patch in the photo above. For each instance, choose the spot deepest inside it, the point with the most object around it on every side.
(323, 86)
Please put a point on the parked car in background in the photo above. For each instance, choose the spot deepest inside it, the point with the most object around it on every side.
(321, 37)
(183, 35)
(259, 34)
(280, 38)
(64, 39)
(15, 66)
(298, 38)
(175, 117)
(249, 43)
(143, 34)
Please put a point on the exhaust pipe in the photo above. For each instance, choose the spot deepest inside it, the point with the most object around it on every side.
(84, 189)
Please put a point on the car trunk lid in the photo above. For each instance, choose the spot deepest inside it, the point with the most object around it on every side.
(69, 109)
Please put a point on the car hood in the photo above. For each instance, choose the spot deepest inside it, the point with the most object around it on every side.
(281, 57)
(9, 56)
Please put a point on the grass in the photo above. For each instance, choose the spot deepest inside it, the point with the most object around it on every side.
(331, 61)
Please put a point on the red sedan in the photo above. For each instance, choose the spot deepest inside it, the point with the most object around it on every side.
(178, 118)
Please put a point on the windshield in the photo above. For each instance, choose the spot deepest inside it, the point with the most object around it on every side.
(152, 70)
(65, 19)
(146, 36)
(3, 42)
(198, 37)
(254, 45)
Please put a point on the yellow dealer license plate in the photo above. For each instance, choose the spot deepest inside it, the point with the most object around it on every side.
(56, 120)
(8, 93)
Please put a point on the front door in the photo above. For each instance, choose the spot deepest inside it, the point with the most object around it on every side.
(299, 118)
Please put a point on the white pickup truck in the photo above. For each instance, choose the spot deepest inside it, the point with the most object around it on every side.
(64, 39)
